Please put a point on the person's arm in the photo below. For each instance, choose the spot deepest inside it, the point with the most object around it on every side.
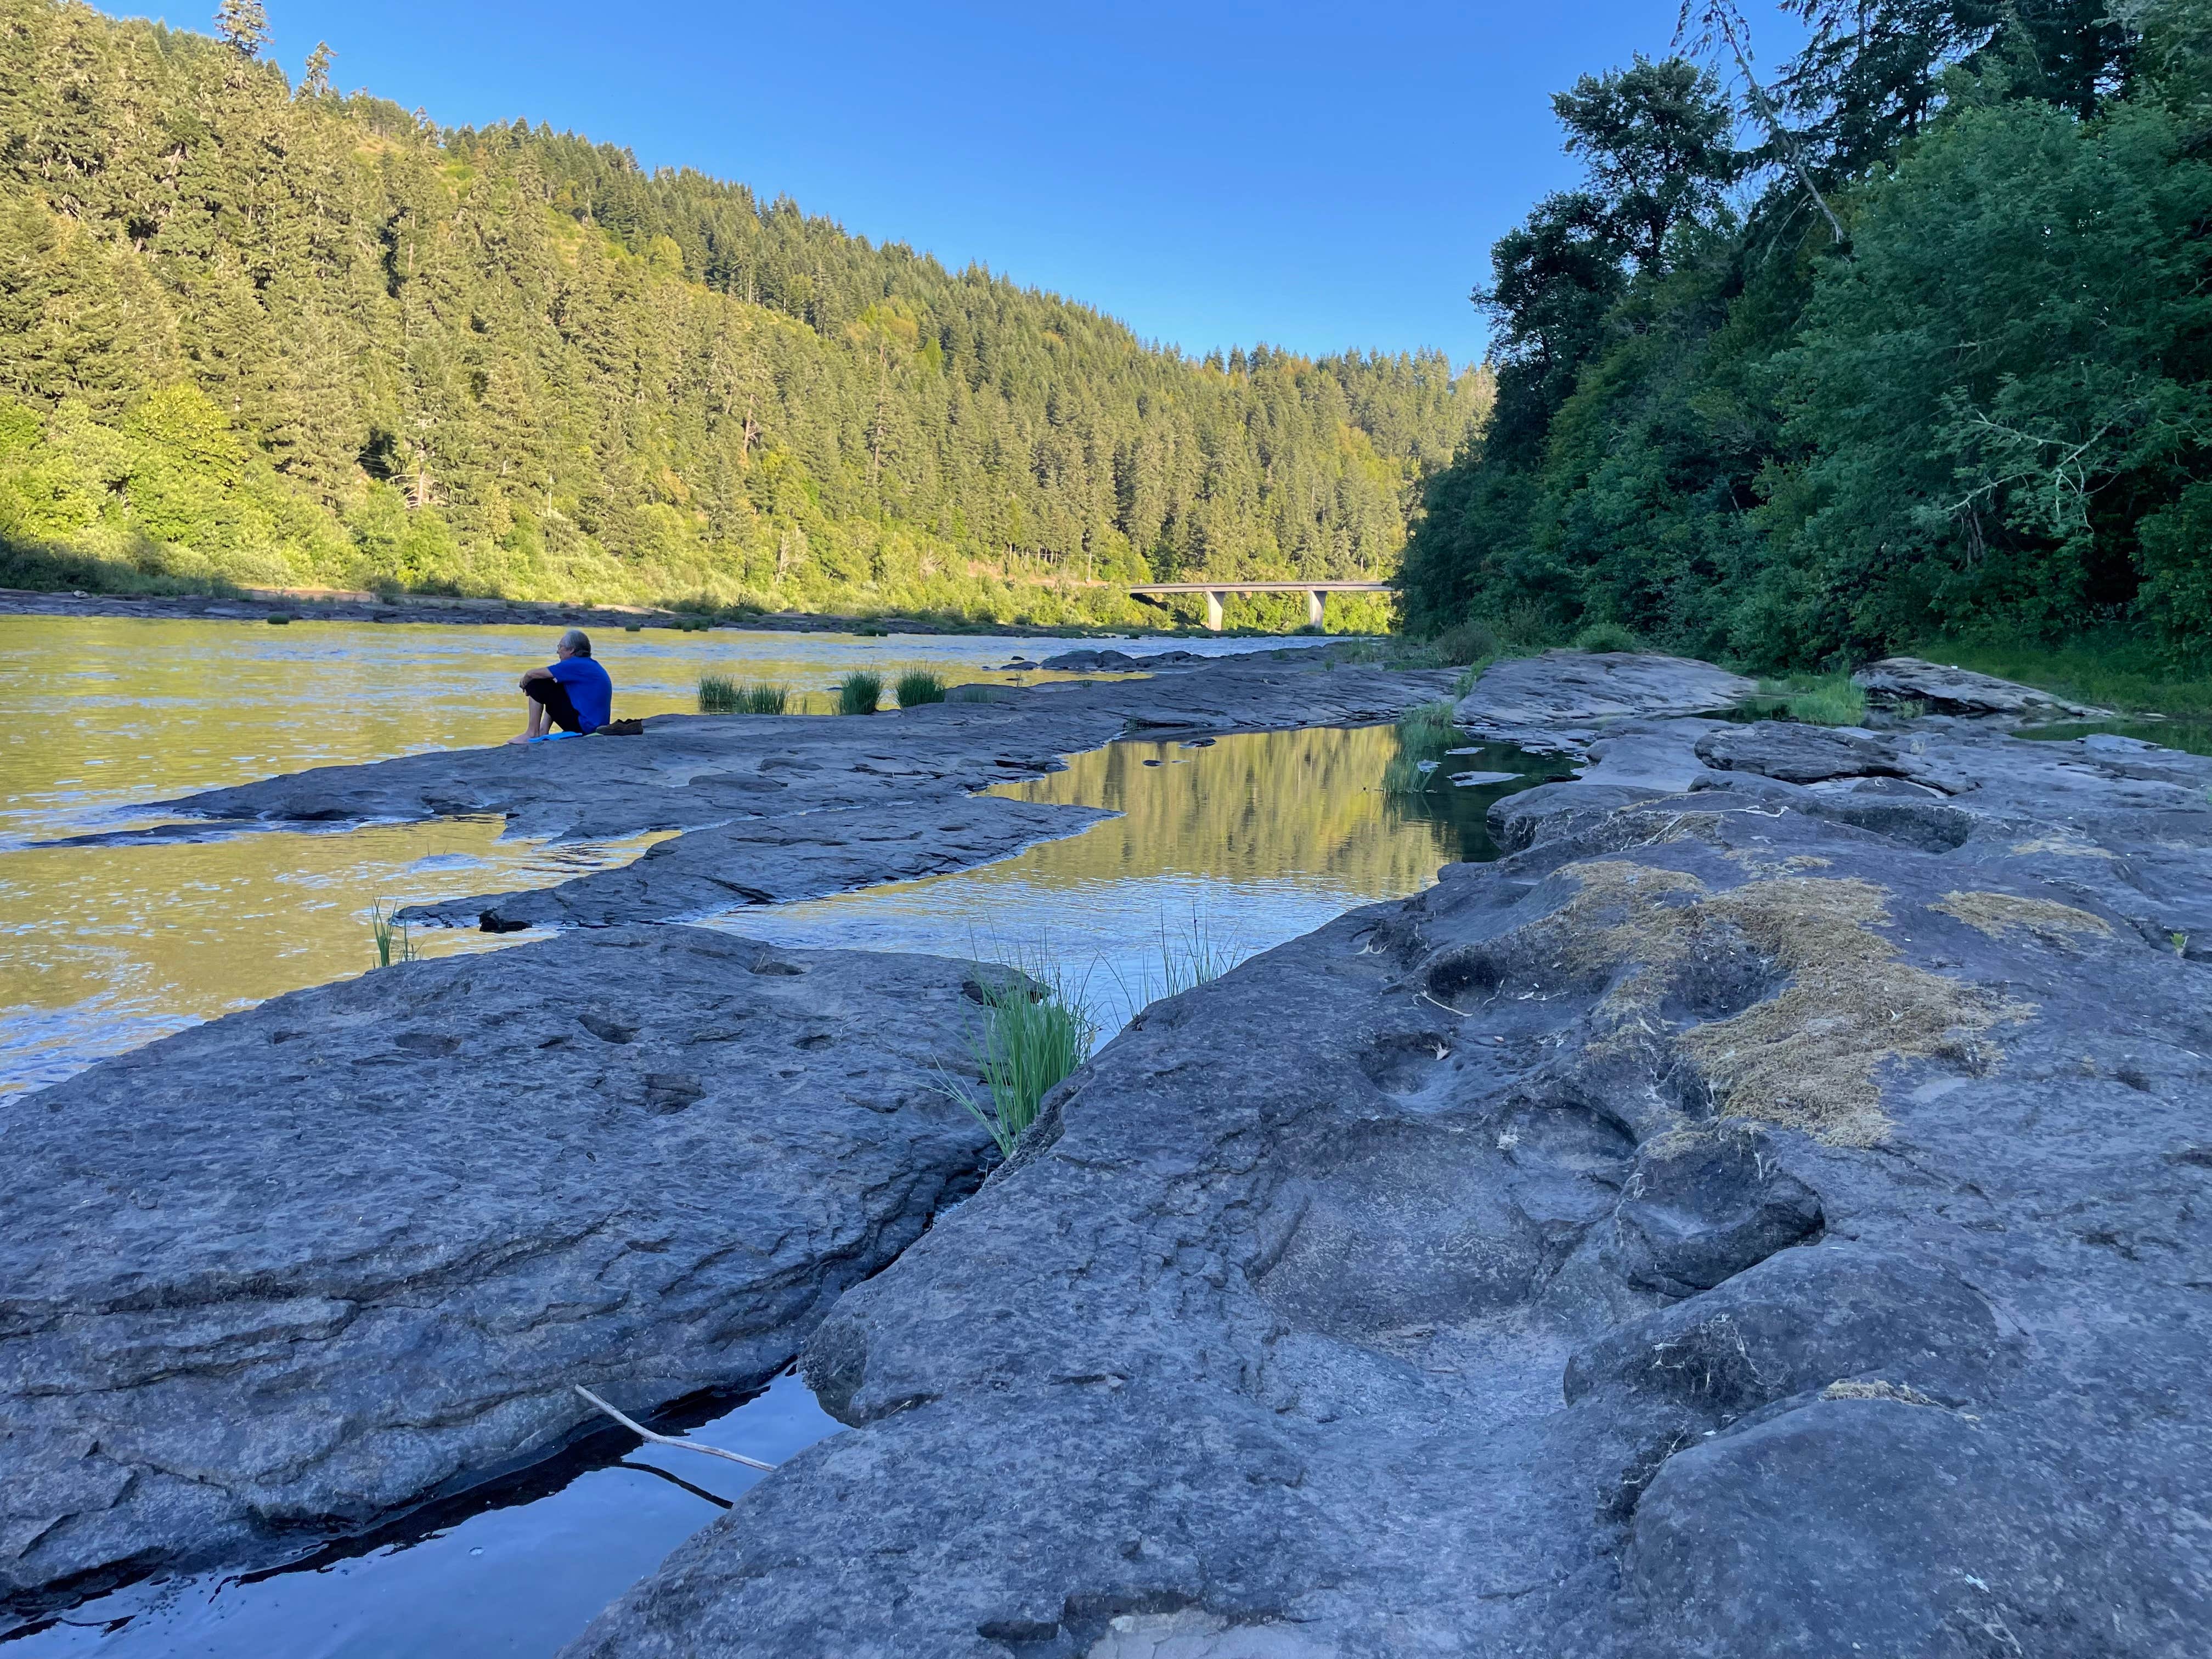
(534, 674)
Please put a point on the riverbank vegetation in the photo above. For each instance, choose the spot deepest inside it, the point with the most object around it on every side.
(273, 334)
(860, 693)
(918, 686)
(720, 694)
(1906, 340)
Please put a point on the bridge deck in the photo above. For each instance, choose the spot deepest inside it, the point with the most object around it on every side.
(1262, 587)
(1213, 591)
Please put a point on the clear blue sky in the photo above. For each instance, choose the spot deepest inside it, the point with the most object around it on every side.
(1214, 173)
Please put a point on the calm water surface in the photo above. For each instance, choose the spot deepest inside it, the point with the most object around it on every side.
(103, 949)
(1249, 840)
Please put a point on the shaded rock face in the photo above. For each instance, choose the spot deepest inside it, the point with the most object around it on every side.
(267, 1279)
(1961, 691)
(1110, 661)
(1753, 1219)
(775, 808)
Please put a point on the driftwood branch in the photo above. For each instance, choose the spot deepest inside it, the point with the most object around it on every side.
(644, 1433)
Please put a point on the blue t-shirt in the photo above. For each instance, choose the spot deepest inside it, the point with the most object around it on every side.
(588, 688)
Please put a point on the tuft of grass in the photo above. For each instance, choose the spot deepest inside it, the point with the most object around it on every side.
(1607, 636)
(1821, 700)
(721, 695)
(1189, 956)
(1409, 774)
(1037, 1028)
(1425, 723)
(1423, 732)
(917, 687)
(390, 934)
(859, 693)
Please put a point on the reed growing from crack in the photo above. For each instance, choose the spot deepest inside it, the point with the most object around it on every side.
(1822, 699)
(1037, 1029)
(389, 935)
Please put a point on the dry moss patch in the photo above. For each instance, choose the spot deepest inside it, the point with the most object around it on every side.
(1806, 1056)
(1995, 912)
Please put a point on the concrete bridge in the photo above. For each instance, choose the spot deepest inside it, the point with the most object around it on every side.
(1213, 591)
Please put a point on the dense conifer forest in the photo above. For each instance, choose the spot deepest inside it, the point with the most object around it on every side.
(1907, 338)
(260, 331)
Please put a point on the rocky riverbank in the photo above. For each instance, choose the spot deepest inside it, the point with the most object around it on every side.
(271, 1278)
(1762, 1214)
(1765, 1213)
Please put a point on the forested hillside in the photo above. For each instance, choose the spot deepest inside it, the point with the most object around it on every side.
(281, 336)
(1908, 338)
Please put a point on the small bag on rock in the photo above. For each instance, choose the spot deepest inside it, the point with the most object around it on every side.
(621, 729)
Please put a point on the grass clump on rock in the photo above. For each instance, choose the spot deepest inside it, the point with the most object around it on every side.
(389, 935)
(918, 687)
(721, 695)
(859, 693)
(1037, 1028)
(1825, 699)
(1607, 636)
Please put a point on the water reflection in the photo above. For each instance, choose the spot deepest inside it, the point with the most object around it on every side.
(1252, 839)
(521, 1570)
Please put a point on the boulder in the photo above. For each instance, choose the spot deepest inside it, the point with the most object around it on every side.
(1758, 1216)
(273, 1278)
(1561, 690)
(1946, 691)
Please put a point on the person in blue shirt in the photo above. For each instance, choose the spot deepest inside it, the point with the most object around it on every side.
(572, 693)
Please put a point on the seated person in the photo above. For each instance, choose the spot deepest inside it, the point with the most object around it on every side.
(572, 693)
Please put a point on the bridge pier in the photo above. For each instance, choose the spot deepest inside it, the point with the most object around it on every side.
(1313, 610)
(1213, 610)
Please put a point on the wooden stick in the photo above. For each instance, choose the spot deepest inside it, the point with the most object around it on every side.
(644, 1433)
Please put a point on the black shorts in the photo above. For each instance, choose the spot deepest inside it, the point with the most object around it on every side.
(558, 707)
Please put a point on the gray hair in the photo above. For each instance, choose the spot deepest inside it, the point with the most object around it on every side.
(576, 642)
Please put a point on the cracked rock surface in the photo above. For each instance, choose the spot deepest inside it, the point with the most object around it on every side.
(1770, 1211)
(270, 1278)
(774, 808)
(1555, 701)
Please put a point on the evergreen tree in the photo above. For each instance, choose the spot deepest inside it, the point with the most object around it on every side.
(244, 24)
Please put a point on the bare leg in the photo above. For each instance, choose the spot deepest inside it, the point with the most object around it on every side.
(535, 727)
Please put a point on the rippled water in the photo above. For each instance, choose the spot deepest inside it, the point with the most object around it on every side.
(103, 949)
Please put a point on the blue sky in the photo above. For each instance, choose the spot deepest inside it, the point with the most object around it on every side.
(1316, 176)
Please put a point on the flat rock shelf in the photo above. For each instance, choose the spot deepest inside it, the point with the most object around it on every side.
(274, 1278)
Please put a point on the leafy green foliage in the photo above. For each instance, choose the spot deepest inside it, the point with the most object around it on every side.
(1982, 413)
(289, 339)
(1605, 636)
